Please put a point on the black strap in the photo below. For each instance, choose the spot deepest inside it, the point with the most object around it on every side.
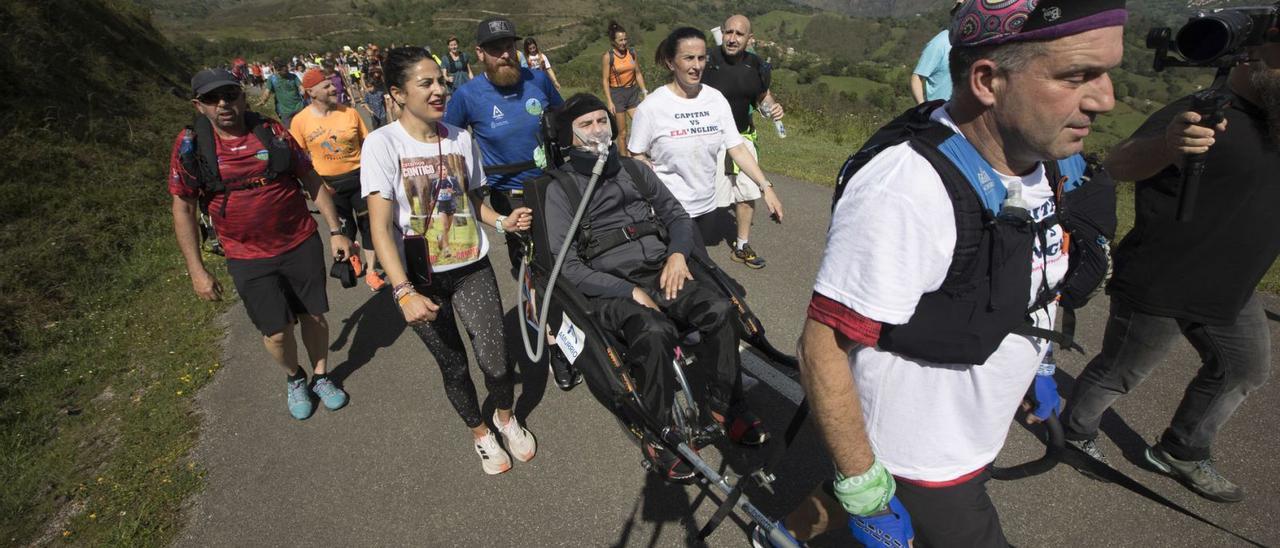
(510, 169)
(593, 247)
(1065, 338)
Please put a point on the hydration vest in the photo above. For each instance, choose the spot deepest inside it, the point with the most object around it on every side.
(200, 159)
(983, 298)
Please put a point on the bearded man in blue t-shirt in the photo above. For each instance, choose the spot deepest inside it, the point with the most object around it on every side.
(502, 108)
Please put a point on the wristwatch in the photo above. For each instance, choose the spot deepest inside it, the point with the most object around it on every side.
(335, 231)
(497, 224)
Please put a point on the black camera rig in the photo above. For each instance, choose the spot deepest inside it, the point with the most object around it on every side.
(1220, 39)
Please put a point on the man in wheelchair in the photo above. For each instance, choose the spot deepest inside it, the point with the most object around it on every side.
(630, 261)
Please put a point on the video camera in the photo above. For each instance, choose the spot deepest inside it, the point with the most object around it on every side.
(1216, 38)
(1219, 39)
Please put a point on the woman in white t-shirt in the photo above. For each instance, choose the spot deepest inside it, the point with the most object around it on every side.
(539, 61)
(438, 271)
(680, 128)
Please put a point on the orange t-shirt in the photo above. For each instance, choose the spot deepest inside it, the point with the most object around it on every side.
(333, 139)
(623, 73)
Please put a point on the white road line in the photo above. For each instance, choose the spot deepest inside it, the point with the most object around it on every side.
(779, 382)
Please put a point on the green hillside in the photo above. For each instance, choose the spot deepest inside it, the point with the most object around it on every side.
(101, 341)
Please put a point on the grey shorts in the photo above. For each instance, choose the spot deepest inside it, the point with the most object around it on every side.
(625, 99)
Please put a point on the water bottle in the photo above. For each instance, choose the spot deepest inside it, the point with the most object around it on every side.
(1048, 365)
(1014, 209)
(767, 106)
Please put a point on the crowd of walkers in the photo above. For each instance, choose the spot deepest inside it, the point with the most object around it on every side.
(959, 234)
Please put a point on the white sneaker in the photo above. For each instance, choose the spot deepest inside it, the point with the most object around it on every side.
(492, 456)
(519, 441)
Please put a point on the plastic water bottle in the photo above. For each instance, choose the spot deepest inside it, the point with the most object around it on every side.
(1048, 365)
(767, 106)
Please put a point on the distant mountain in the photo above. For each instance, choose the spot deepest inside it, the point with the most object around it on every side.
(876, 8)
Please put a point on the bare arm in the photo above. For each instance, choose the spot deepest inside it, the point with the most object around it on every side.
(187, 230)
(747, 162)
(1139, 158)
(833, 395)
(640, 78)
(604, 80)
(323, 198)
(552, 73)
(917, 88)
(415, 308)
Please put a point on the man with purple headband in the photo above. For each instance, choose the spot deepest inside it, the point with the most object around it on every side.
(946, 257)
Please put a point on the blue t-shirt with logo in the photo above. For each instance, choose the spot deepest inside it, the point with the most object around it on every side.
(504, 122)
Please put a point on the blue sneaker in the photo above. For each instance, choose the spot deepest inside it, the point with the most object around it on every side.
(300, 405)
(332, 396)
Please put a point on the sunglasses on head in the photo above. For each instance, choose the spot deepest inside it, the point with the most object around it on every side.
(216, 96)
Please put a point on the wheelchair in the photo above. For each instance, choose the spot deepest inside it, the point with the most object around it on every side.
(598, 356)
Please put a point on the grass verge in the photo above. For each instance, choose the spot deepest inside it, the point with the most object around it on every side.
(109, 345)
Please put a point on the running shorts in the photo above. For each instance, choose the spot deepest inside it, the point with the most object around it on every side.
(732, 186)
(276, 289)
(625, 99)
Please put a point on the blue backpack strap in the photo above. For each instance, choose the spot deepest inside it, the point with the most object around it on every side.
(981, 176)
(1073, 169)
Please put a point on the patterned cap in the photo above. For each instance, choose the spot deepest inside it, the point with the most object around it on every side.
(992, 22)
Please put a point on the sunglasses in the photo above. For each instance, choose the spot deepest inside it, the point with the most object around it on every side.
(217, 96)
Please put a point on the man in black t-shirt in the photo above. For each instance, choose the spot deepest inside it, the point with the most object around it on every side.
(1196, 279)
(743, 78)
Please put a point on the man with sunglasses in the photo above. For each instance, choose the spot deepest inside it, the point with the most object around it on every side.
(244, 170)
(501, 108)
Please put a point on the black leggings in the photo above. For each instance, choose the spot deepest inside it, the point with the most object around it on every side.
(352, 211)
(470, 293)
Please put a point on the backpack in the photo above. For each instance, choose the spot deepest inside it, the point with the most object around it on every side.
(200, 157)
(982, 299)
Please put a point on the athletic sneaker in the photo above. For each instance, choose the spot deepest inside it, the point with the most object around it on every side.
(492, 457)
(747, 256)
(519, 441)
(668, 464)
(300, 404)
(332, 396)
(1198, 475)
(742, 426)
(375, 282)
(1089, 448)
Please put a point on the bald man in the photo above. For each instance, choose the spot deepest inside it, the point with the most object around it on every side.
(743, 77)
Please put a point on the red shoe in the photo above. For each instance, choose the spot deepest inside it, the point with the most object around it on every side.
(376, 283)
(742, 426)
(667, 463)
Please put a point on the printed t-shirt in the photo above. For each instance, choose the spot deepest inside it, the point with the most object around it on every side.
(540, 62)
(504, 121)
(891, 240)
(287, 89)
(408, 172)
(333, 139)
(260, 222)
(741, 81)
(934, 68)
(681, 138)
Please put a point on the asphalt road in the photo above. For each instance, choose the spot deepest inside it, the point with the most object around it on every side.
(396, 466)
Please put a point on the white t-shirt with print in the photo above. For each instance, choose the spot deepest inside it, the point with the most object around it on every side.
(407, 171)
(681, 137)
(891, 240)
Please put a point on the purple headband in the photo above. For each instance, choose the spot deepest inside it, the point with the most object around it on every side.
(992, 22)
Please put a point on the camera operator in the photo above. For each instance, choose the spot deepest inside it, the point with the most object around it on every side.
(1194, 278)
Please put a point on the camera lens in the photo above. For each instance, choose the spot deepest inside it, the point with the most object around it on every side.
(1211, 36)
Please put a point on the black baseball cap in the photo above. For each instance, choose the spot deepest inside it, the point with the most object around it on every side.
(210, 79)
(495, 28)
